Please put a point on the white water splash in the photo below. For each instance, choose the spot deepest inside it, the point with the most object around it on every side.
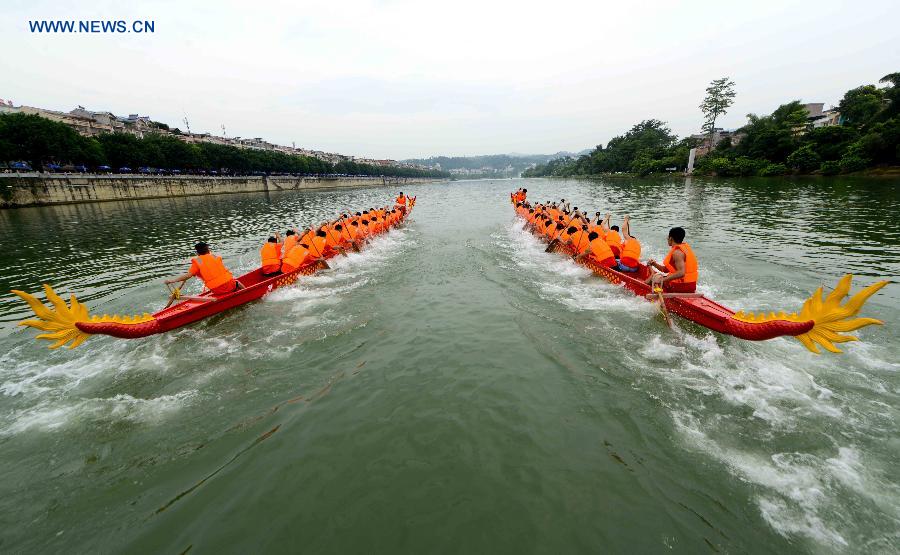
(49, 417)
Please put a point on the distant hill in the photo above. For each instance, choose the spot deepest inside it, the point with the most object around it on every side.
(491, 165)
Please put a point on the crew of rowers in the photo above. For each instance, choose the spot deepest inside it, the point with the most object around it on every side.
(296, 250)
(609, 246)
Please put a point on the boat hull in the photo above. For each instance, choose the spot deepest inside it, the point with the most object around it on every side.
(699, 309)
(194, 309)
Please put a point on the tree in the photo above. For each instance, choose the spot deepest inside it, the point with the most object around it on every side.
(775, 136)
(860, 105)
(804, 159)
(719, 97)
(892, 93)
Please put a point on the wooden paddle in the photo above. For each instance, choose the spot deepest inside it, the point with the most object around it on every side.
(662, 305)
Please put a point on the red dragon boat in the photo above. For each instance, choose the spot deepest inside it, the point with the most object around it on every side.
(73, 324)
(821, 321)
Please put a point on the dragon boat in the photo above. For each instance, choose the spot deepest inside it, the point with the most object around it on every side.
(72, 324)
(821, 322)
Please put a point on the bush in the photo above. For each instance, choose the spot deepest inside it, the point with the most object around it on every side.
(804, 159)
(773, 169)
(855, 159)
(831, 167)
(852, 162)
(719, 166)
(744, 166)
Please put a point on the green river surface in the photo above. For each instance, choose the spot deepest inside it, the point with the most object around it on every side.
(454, 389)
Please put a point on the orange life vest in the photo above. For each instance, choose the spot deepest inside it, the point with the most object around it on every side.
(295, 258)
(318, 246)
(307, 237)
(631, 253)
(690, 264)
(271, 256)
(401, 200)
(600, 250)
(614, 241)
(579, 241)
(211, 270)
(289, 243)
(331, 238)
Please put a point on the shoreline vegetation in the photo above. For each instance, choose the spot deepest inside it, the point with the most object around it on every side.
(40, 142)
(866, 141)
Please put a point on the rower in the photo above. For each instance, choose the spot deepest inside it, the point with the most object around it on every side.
(401, 201)
(680, 266)
(599, 251)
(270, 253)
(579, 240)
(290, 239)
(211, 270)
(629, 260)
(318, 244)
(298, 256)
(612, 237)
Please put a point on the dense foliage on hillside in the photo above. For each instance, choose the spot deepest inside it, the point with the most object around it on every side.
(40, 141)
(648, 147)
(783, 142)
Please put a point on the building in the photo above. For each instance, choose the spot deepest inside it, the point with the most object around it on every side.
(828, 118)
(718, 135)
(90, 124)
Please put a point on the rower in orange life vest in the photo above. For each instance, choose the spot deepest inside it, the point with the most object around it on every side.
(629, 260)
(598, 250)
(680, 266)
(270, 253)
(296, 257)
(401, 201)
(611, 236)
(211, 270)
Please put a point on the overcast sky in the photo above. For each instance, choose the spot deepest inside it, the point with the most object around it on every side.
(399, 79)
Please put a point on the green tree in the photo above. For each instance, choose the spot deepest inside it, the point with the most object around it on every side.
(719, 97)
(775, 136)
(804, 159)
(892, 93)
(831, 142)
(860, 105)
(39, 140)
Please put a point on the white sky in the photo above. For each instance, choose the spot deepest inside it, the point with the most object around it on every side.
(398, 78)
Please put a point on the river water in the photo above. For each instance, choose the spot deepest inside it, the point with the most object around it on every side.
(453, 388)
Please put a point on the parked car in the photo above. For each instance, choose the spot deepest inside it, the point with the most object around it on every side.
(103, 169)
(20, 166)
(124, 169)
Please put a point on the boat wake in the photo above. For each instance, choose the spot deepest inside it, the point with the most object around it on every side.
(814, 443)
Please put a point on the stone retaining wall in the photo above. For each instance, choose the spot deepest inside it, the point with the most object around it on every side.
(18, 190)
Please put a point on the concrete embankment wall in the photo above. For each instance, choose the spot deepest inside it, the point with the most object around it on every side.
(17, 190)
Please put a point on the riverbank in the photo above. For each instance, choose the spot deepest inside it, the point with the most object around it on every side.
(21, 190)
(878, 171)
